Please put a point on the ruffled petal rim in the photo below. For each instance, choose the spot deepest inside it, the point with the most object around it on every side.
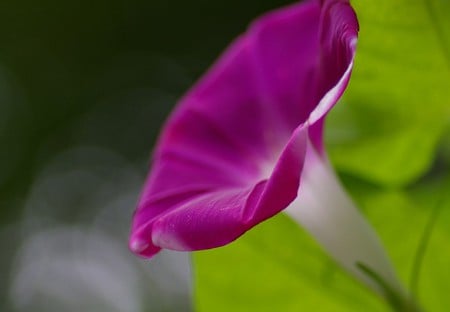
(219, 217)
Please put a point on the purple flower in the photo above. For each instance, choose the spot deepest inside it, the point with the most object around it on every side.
(246, 143)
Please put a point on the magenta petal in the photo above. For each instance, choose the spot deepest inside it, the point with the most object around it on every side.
(286, 49)
(231, 154)
(219, 217)
(338, 36)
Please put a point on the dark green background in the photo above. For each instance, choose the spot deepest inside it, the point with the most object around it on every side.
(96, 73)
(62, 61)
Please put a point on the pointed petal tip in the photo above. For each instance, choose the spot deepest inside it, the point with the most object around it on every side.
(142, 247)
(137, 245)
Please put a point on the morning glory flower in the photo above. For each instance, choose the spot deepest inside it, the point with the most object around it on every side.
(246, 142)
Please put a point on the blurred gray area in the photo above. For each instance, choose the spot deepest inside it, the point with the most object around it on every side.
(75, 259)
(84, 89)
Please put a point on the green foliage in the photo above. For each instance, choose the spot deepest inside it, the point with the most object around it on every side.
(386, 136)
(277, 266)
(398, 102)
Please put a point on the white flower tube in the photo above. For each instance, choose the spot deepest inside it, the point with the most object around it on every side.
(325, 210)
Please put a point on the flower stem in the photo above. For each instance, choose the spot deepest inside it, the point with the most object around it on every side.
(397, 301)
(421, 249)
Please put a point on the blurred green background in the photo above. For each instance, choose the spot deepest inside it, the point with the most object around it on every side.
(84, 89)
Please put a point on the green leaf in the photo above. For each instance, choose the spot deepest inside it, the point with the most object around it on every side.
(434, 276)
(275, 267)
(400, 218)
(398, 102)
